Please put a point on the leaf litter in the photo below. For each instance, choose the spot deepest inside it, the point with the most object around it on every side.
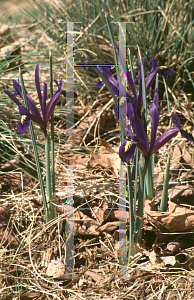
(163, 267)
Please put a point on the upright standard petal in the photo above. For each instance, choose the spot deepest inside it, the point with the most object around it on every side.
(110, 78)
(163, 139)
(51, 105)
(17, 88)
(37, 82)
(139, 100)
(36, 117)
(44, 97)
(150, 78)
(125, 69)
(153, 111)
(12, 97)
(140, 133)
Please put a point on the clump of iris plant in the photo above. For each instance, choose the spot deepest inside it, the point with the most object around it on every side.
(135, 132)
(130, 96)
(29, 112)
(137, 137)
(133, 111)
(34, 114)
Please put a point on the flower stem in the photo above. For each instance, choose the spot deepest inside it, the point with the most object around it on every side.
(52, 213)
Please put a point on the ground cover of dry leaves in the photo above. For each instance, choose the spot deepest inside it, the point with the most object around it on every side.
(32, 253)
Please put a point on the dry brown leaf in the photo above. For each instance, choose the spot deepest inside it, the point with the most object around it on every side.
(106, 162)
(78, 161)
(105, 146)
(174, 246)
(15, 180)
(56, 268)
(181, 155)
(170, 223)
(180, 191)
(5, 31)
(95, 276)
(29, 295)
(108, 227)
(173, 207)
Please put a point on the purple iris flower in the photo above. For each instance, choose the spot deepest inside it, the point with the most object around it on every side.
(163, 71)
(47, 109)
(136, 136)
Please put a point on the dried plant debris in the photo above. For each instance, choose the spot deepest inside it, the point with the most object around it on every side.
(7, 234)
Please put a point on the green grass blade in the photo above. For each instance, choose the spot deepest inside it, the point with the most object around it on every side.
(52, 129)
(164, 199)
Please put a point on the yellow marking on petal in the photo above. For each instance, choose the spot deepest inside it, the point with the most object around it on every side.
(127, 146)
(186, 129)
(23, 118)
(162, 67)
(122, 100)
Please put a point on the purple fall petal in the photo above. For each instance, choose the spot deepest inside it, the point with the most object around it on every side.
(163, 71)
(127, 155)
(22, 128)
(24, 122)
(99, 84)
(187, 135)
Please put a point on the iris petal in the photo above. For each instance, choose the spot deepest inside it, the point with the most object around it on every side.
(153, 111)
(139, 100)
(12, 97)
(186, 134)
(163, 71)
(127, 150)
(163, 139)
(44, 97)
(24, 122)
(51, 105)
(150, 78)
(125, 69)
(37, 82)
(22, 128)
